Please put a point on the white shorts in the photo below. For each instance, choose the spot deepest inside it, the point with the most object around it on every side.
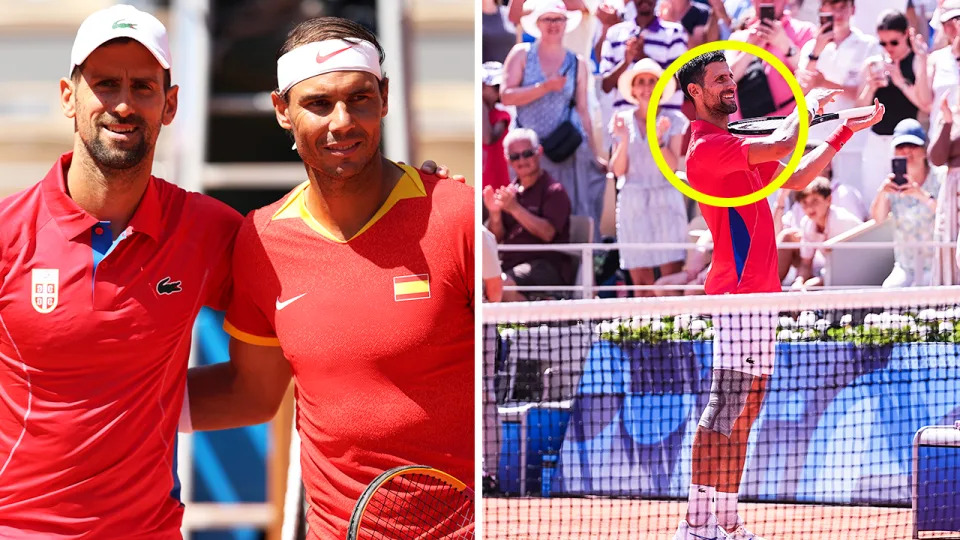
(745, 342)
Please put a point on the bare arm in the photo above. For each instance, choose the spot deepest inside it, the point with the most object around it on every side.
(712, 30)
(515, 12)
(511, 93)
(633, 52)
(778, 144)
(619, 159)
(811, 165)
(536, 225)
(922, 91)
(495, 219)
(880, 208)
(244, 391)
(672, 151)
(939, 152)
(493, 289)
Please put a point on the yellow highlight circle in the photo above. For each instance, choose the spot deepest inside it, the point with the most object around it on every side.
(653, 140)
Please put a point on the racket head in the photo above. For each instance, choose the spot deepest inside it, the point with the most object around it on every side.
(765, 125)
(413, 501)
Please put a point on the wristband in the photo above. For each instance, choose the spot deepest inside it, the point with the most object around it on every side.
(839, 137)
(813, 57)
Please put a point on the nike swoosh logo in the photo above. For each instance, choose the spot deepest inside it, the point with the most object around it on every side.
(695, 535)
(285, 303)
(323, 58)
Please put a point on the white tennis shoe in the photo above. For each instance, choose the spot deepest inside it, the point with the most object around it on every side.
(708, 531)
(742, 532)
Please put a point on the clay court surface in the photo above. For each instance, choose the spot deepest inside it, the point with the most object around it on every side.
(561, 519)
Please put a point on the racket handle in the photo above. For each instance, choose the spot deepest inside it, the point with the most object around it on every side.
(856, 112)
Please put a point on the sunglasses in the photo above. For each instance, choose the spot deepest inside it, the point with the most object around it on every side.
(526, 154)
(892, 43)
(552, 20)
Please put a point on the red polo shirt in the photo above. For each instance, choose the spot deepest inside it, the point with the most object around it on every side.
(378, 331)
(744, 243)
(94, 339)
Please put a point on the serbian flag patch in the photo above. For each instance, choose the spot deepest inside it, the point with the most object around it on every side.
(416, 287)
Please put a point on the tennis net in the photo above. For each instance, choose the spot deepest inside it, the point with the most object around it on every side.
(590, 410)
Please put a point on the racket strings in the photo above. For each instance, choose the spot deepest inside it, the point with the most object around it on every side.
(418, 507)
(757, 125)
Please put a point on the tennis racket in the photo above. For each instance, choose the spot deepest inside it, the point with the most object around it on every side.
(413, 502)
(769, 124)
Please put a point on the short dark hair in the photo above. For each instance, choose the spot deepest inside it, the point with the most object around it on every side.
(892, 20)
(324, 28)
(75, 74)
(695, 70)
(820, 185)
(831, 2)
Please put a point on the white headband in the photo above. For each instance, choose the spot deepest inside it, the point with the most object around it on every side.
(321, 57)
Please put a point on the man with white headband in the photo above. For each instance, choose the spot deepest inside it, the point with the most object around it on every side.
(358, 284)
(104, 270)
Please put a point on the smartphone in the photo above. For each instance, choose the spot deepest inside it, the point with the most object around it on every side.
(899, 167)
(826, 19)
(767, 12)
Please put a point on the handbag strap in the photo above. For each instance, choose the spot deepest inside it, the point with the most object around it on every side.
(573, 96)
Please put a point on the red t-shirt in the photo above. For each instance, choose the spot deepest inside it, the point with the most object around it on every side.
(93, 356)
(744, 244)
(495, 172)
(378, 331)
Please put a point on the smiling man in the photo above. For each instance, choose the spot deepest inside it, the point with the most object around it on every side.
(104, 270)
(744, 261)
(358, 284)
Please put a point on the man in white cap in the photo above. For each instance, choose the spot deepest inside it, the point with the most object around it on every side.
(359, 285)
(104, 269)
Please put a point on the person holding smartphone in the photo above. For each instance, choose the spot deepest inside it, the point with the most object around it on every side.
(898, 78)
(761, 91)
(836, 58)
(908, 195)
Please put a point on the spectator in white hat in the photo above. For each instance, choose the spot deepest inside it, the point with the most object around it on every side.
(548, 85)
(649, 208)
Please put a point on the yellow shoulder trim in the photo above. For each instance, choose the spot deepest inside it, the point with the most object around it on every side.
(410, 186)
(290, 207)
(249, 338)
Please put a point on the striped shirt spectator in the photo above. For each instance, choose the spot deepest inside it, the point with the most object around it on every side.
(663, 42)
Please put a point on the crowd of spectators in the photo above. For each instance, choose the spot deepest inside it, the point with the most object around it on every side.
(566, 88)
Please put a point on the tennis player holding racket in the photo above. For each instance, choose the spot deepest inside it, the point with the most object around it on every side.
(744, 261)
(359, 285)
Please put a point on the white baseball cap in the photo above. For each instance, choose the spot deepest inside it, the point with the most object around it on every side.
(120, 21)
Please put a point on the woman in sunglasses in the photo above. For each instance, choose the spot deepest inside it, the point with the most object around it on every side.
(897, 78)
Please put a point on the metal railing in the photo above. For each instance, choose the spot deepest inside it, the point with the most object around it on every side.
(585, 282)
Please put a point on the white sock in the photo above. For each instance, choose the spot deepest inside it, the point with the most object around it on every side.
(727, 508)
(699, 504)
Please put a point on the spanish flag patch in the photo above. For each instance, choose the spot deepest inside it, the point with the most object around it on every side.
(414, 287)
